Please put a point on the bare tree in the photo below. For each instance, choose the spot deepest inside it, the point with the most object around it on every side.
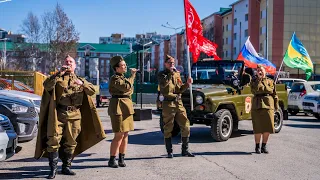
(60, 33)
(32, 28)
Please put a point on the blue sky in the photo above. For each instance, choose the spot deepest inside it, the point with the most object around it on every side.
(96, 18)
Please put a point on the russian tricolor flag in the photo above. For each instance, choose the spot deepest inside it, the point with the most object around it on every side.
(251, 58)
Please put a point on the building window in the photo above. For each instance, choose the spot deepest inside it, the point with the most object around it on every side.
(246, 33)
(227, 28)
(222, 28)
(235, 36)
(226, 53)
(246, 17)
(234, 50)
(235, 21)
(261, 47)
(260, 30)
(246, 5)
(226, 40)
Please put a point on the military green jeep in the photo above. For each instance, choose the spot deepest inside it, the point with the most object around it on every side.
(222, 98)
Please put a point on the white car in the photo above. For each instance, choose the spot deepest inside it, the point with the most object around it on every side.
(289, 81)
(297, 94)
(8, 138)
(33, 98)
(311, 103)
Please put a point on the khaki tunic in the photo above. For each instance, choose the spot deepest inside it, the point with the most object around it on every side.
(171, 87)
(69, 121)
(121, 109)
(264, 102)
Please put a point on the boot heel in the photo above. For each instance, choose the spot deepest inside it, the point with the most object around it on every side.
(121, 160)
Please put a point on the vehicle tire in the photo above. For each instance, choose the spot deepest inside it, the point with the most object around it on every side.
(222, 125)
(176, 129)
(308, 114)
(278, 120)
(316, 115)
(293, 112)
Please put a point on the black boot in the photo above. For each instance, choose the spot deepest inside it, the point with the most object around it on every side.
(112, 162)
(66, 160)
(121, 160)
(185, 147)
(264, 148)
(169, 147)
(53, 163)
(258, 148)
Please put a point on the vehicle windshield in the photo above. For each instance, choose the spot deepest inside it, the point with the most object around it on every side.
(216, 72)
(288, 83)
(316, 87)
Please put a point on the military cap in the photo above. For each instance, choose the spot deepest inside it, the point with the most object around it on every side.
(259, 66)
(115, 60)
(169, 57)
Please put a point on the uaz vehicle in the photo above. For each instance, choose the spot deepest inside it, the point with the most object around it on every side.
(222, 98)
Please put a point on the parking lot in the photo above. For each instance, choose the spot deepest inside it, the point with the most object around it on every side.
(294, 154)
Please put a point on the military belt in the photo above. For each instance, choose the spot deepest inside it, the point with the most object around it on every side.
(120, 96)
(177, 98)
(261, 95)
(68, 108)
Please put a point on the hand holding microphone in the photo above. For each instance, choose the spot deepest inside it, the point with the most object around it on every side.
(134, 70)
(64, 69)
(173, 69)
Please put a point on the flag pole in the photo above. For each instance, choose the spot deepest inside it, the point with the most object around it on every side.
(280, 69)
(188, 55)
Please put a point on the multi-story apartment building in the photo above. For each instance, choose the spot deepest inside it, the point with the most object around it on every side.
(164, 49)
(175, 48)
(227, 35)
(92, 57)
(10, 37)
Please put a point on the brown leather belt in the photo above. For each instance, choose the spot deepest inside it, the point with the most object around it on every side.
(68, 108)
(121, 96)
(261, 95)
(177, 98)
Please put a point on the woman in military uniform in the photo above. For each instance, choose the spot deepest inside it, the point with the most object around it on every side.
(264, 103)
(120, 109)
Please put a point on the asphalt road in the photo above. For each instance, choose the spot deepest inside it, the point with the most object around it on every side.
(294, 154)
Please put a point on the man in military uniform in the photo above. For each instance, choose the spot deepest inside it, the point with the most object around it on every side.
(171, 87)
(66, 108)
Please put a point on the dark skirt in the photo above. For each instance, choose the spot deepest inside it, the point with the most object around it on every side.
(262, 120)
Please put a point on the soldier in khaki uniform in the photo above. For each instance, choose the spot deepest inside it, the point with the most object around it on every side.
(264, 103)
(68, 126)
(120, 109)
(171, 88)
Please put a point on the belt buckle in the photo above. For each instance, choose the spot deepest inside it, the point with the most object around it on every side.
(70, 108)
(178, 97)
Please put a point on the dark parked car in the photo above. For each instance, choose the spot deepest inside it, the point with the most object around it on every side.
(22, 115)
(8, 138)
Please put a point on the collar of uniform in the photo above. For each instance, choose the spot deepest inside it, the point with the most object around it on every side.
(119, 74)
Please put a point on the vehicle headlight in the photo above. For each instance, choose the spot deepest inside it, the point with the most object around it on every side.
(17, 108)
(199, 99)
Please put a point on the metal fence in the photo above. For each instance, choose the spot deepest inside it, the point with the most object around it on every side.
(27, 81)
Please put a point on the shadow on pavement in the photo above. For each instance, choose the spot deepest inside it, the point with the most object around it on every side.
(36, 172)
(222, 153)
(306, 120)
(198, 135)
(308, 126)
(45, 159)
(108, 131)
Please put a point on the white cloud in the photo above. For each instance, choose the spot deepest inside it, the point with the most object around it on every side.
(3, 1)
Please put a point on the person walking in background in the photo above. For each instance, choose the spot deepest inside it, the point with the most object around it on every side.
(120, 109)
(264, 103)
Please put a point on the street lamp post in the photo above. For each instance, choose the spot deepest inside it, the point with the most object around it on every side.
(142, 72)
(175, 31)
